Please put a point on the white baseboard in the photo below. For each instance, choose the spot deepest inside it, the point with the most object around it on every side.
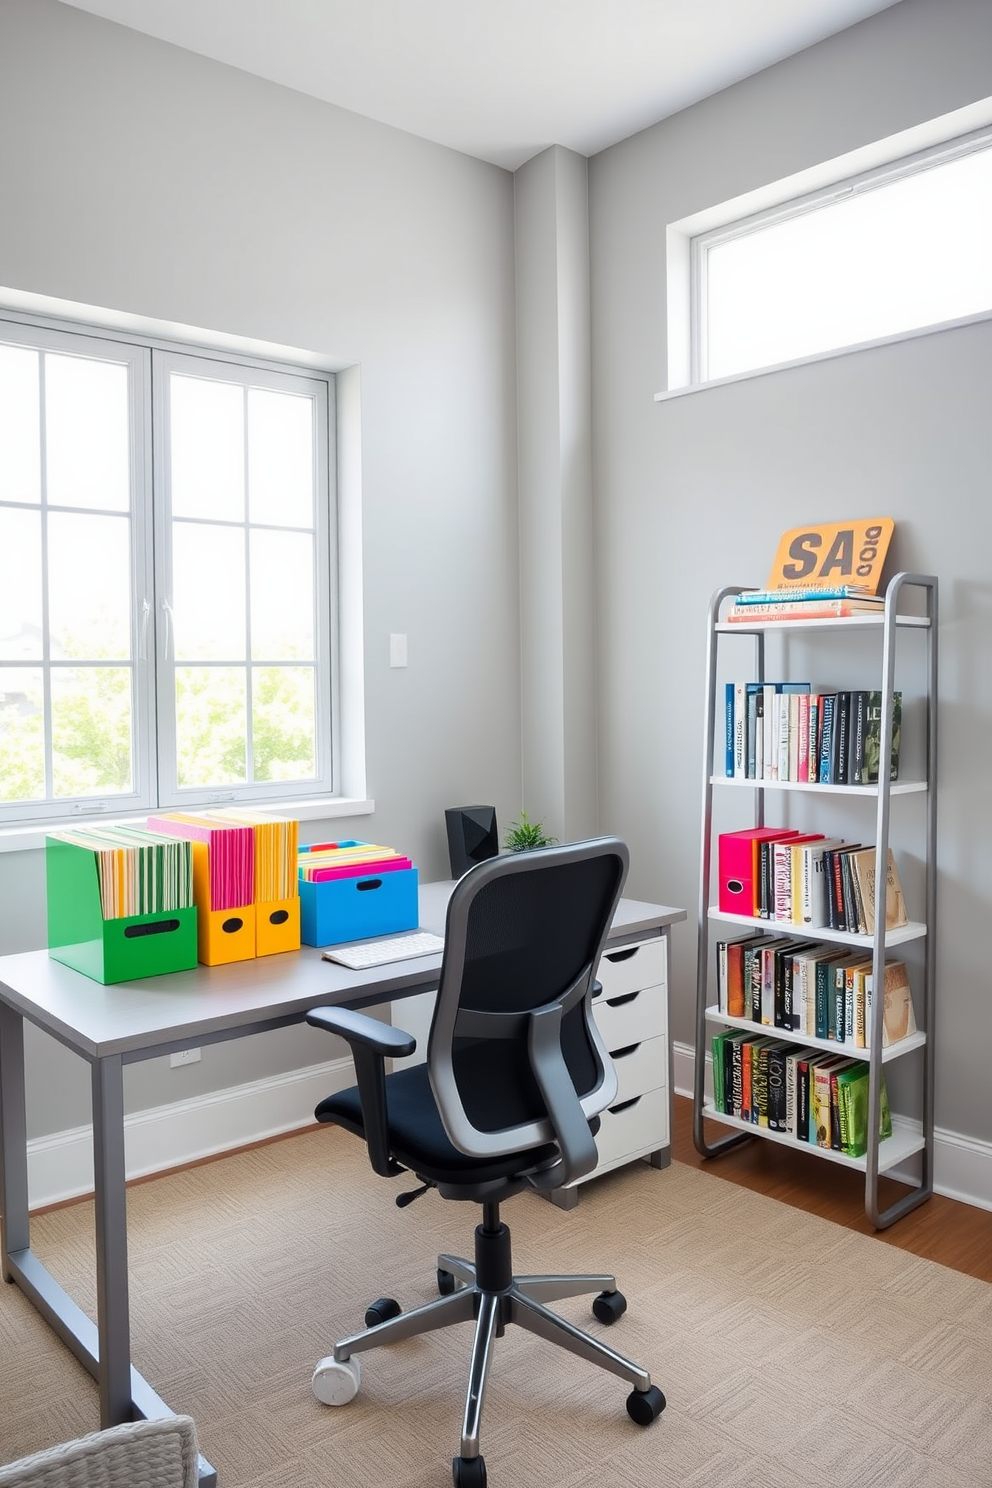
(962, 1166)
(61, 1166)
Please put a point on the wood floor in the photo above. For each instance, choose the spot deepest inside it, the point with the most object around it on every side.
(955, 1235)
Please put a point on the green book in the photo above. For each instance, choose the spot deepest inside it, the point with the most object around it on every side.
(869, 762)
(852, 1096)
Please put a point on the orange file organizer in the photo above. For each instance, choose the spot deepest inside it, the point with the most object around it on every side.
(223, 884)
(277, 896)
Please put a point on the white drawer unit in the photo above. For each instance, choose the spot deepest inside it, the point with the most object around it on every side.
(631, 1013)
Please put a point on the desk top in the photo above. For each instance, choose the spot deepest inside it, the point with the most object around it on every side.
(208, 1003)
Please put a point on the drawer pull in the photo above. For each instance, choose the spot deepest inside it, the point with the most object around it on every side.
(624, 1106)
(623, 1053)
(623, 955)
(619, 1001)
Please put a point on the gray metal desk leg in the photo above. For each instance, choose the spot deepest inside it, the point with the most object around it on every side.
(15, 1225)
(110, 1204)
(124, 1394)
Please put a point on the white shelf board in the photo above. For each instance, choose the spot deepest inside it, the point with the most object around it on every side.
(832, 622)
(905, 1141)
(896, 788)
(808, 1041)
(914, 930)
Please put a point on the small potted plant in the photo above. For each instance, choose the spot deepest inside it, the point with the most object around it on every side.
(524, 835)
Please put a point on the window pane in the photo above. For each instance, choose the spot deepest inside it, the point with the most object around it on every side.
(89, 586)
(87, 444)
(208, 592)
(284, 733)
(898, 256)
(20, 446)
(211, 726)
(91, 731)
(22, 735)
(207, 447)
(20, 585)
(281, 596)
(280, 458)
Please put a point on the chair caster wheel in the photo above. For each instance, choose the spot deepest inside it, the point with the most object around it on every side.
(381, 1311)
(336, 1381)
(609, 1306)
(468, 1472)
(446, 1285)
(645, 1406)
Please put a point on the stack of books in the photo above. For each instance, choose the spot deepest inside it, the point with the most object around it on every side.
(801, 602)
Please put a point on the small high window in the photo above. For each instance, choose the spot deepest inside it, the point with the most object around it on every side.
(882, 254)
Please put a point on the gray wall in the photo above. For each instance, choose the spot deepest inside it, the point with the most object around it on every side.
(692, 493)
(144, 179)
(139, 177)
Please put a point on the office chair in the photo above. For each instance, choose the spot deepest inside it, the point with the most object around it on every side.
(508, 1099)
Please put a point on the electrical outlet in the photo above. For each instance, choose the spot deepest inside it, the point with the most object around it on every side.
(184, 1056)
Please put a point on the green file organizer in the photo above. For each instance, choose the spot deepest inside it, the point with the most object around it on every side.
(109, 950)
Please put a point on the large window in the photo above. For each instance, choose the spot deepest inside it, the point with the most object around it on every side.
(878, 255)
(165, 578)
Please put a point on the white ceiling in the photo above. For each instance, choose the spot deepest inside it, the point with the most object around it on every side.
(498, 79)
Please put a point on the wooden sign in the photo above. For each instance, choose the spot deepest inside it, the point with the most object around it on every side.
(832, 554)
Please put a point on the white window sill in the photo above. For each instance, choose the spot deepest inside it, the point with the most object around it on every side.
(31, 835)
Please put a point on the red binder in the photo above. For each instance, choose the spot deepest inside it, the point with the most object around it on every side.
(737, 866)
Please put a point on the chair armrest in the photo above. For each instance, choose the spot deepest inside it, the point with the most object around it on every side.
(371, 1043)
(360, 1029)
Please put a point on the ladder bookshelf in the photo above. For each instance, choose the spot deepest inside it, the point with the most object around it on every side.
(909, 618)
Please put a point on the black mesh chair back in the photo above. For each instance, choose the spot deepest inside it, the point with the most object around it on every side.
(513, 1040)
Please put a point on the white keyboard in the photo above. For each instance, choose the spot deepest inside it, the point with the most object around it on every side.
(377, 952)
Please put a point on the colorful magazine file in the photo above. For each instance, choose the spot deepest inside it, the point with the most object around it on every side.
(120, 903)
(223, 883)
(352, 890)
(277, 898)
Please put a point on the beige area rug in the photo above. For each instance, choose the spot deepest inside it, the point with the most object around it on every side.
(792, 1351)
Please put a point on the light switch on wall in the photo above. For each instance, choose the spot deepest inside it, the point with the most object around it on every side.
(397, 650)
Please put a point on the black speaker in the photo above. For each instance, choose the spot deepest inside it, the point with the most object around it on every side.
(471, 836)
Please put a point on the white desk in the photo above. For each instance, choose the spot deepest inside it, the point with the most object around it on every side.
(131, 1021)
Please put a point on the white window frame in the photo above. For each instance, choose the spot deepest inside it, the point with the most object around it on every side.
(687, 240)
(151, 759)
(197, 365)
